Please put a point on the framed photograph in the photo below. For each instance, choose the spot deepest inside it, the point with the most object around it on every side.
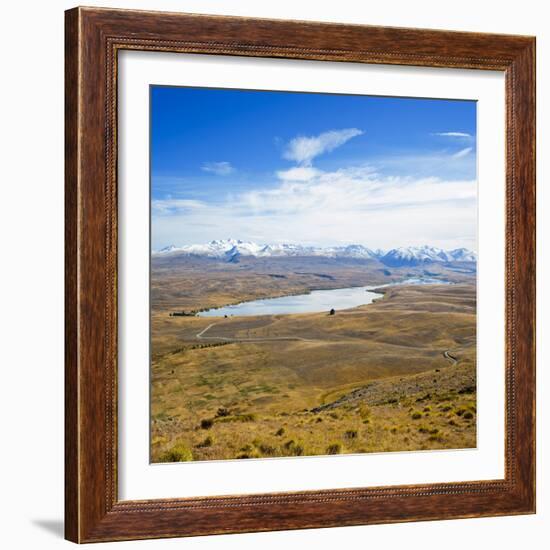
(300, 275)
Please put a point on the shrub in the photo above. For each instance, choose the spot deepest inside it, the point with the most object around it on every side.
(268, 450)
(222, 411)
(178, 453)
(351, 434)
(206, 423)
(334, 449)
(468, 415)
(297, 450)
(208, 442)
(416, 415)
(460, 412)
(293, 448)
(249, 454)
(280, 431)
(364, 411)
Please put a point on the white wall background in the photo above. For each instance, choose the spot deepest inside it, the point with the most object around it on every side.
(31, 216)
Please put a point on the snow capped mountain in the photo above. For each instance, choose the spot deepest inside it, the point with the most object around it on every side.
(416, 255)
(463, 255)
(232, 249)
(350, 251)
(221, 248)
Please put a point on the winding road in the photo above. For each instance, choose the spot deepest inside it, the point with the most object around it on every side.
(452, 359)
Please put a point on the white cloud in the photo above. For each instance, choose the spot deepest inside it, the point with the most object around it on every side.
(299, 173)
(453, 134)
(219, 168)
(303, 149)
(171, 206)
(462, 153)
(344, 206)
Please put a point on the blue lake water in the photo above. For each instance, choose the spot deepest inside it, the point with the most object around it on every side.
(314, 302)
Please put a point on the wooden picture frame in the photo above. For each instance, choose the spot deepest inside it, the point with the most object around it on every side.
(94, 36)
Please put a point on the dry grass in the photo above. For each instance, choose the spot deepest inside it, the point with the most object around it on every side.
(369, 379)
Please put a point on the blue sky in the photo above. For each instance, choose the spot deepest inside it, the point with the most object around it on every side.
(321, 169)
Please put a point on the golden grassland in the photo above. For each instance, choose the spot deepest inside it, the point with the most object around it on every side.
(369, 379)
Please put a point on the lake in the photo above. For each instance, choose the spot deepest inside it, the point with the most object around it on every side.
(314, 302)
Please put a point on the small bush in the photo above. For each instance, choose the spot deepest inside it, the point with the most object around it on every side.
(268, 450)
(416, 415)
(178, 453)
(206, 423)
(468, 415)
(249, 454)
(364, 411)
(208, 442)
(334, 449)
(222, 412)
(351, 434)
(280, 431)
(293, 448)
(460, 412)
(297, 450)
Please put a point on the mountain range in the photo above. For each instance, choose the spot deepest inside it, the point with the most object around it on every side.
(231, 250)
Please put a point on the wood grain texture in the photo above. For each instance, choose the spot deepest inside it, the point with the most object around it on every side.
(93, 38)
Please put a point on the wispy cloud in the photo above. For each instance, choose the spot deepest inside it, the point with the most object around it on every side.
(351, 204)
(463, 153)
(303, 149)
(453, 134)
(219, 168)
(298, 173)
(172, 206)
